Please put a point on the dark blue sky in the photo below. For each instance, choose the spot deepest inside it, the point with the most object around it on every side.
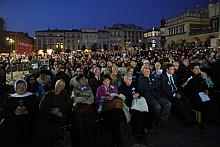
(34, 15)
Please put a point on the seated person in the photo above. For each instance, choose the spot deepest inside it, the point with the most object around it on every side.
(55, 109)
(140, 120)
(19, 113)
(150, 90)
(83, 122)
(196, 85)
(115, 115)
(180, 102)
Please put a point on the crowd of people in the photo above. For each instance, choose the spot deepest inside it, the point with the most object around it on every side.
(140, 87)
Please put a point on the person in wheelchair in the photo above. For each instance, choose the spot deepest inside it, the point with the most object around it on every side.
(112, 112)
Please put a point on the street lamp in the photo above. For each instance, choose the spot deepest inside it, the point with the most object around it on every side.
(11, 41)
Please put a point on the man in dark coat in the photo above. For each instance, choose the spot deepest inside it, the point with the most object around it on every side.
(181, 103)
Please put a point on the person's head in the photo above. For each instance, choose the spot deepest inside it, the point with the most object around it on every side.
(170, 69)
(115, 69)
(157, 65)
(106, 80)
(82, 79)
(62, 67)
(133, 64)
(79, 71)
(20, 87)
(186, 61)
(130, 69)
(128, 79)
(109, 64)
(97, 71)
(145, 71)
(32, 79)
(176, 65)
(60, 85)
(195, 68)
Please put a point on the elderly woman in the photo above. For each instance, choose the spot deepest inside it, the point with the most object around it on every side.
(114, 115)
(84, 116)
(19, 113)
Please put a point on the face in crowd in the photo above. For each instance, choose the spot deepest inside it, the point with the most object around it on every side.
(196, 69)
(21, 88)
(106, 82)
(59, 86)
(146, 71)
(97, 71)
(128, 79)
(170, 70)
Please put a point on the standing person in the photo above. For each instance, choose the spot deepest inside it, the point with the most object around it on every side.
(19, 113)
(55, 108)
(34, 65)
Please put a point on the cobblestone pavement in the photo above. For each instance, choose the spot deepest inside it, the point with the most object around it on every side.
(171, 134)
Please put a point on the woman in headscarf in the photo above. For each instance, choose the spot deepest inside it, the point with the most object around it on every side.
(19, 113)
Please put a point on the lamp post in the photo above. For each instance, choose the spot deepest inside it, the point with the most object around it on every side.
(11, 41)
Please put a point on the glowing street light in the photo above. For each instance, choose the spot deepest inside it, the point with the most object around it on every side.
(11, 41)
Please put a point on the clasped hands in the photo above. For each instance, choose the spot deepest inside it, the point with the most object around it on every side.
(56, 111)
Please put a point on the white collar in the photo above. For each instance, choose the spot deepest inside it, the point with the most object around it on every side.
(23, 95)
(169, 75)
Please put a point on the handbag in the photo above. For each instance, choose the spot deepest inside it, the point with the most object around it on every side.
(113, 104)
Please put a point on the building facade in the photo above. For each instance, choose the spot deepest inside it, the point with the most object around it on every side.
(18, 43)
(58, 40)
(194, 26)
(152, 38)
(90, 38)
(131, 35)
(116, 37)
(103, 40)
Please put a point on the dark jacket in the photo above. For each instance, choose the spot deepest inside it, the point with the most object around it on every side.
(128, 92)
(17, 129)
(148, 88)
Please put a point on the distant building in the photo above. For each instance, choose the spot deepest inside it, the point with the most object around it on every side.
(152, 38)
(18, 43)
(59, 40)
(132, 35)
(193, 27)
(116, 40)
(103, 39)
(90, 38)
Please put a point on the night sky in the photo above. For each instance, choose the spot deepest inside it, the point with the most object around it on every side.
(35, 15)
